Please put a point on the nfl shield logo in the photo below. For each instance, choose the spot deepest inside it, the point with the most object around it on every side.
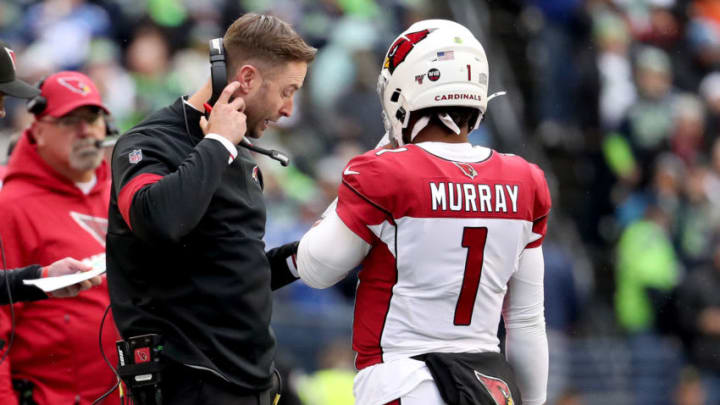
(135, 156)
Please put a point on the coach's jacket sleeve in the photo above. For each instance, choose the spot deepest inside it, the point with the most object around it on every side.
(283, 269)
(157, 200)
(18, 289)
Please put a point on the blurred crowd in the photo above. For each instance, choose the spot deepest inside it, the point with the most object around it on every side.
(623, 96)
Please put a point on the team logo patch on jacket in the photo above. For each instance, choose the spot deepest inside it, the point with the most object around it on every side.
(257, 176)
(95, 226)
(135, 156)
(497, 388)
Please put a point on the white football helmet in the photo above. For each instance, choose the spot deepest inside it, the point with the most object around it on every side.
(434, 63)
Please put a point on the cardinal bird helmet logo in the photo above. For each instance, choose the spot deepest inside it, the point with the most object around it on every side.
(402, 47)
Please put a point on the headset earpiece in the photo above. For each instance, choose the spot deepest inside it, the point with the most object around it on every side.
(37, 104)
(218, 69)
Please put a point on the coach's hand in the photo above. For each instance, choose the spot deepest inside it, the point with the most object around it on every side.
(67, 266)
(227, 118)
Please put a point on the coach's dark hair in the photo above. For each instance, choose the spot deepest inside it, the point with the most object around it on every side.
(266, 40)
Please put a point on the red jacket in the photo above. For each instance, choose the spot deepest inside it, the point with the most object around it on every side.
(2, 174)
(45, 217)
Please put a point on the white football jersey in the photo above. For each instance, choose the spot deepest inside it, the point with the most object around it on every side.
(446, 238)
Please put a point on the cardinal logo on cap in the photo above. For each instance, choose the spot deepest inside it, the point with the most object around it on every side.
(75, 85)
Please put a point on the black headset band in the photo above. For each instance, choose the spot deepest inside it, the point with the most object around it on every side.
(37, 104)
(218, 69)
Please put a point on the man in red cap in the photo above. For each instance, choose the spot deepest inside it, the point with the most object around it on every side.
(11, 86)
(54, 203)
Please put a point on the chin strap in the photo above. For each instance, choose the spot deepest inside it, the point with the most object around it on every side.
(421, 123)
(419, 126)
(445, 119)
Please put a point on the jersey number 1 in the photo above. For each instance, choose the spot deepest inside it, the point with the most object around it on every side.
(474, 240)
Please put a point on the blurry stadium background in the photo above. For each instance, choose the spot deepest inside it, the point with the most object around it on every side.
(617, 100)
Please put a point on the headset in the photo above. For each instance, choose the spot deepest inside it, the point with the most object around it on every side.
(218, 78)
(37, 104)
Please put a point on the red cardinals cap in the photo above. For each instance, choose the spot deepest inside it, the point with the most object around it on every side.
(66, 91)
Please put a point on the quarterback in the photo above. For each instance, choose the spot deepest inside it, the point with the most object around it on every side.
(448, 236)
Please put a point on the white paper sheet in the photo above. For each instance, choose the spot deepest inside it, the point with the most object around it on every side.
(48, 284)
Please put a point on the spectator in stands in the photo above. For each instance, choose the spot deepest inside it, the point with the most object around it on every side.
(712, 182)
(689, 389)
(61, 30)
(698, 305)
(646, 262)
(645, 274)
(710, 92)
(695, 220)
(332, 383)
(688, 128)
(156, 87)
(647, 126)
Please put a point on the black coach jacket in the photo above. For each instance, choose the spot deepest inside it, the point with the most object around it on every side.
(18, 290)
(185, 255)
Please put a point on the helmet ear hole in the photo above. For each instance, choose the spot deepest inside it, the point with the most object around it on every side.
(395, 96)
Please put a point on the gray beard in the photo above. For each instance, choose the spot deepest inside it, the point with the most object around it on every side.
(86, 158)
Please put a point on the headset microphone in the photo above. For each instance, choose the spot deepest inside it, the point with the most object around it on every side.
(273, 154)
(218, 78)
(105, 143)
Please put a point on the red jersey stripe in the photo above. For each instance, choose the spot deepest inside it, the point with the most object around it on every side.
(377, 279)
